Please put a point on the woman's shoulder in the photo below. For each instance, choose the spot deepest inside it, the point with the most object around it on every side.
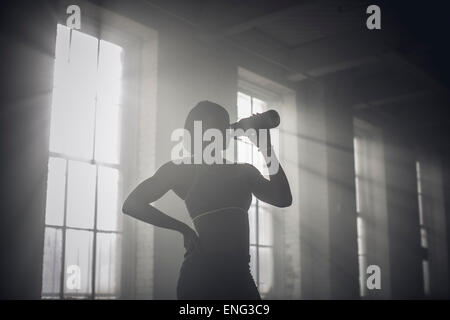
(179, 166)
(247, 167)
(244, 169)
(175, 166)
(175, 173)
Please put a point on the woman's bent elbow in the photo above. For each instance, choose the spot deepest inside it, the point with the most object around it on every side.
(126, 208)
(132, 208)
(285, 201)
(289, 201)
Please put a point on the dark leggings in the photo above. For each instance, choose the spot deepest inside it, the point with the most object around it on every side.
(205, 277)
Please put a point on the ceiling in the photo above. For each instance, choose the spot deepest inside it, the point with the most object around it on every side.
(401, 72)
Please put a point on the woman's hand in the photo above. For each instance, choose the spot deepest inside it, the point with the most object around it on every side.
(191, 240)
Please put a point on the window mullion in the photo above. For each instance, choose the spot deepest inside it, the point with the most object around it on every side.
(63, 246)
(94, 250)
(94, 245)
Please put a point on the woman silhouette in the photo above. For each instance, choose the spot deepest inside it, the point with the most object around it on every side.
(217, 197)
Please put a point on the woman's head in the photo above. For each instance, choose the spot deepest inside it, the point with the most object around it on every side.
(211, 116)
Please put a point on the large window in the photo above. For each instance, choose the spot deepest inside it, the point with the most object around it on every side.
(260, 216)
(371, 207)
(423, 232)
(82, 225)
(360, 219)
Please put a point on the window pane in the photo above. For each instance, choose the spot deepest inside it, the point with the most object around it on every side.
(110, 73)
(58, 122)
(362, 274)
(420, 200)
(253, 265)
(255, 201)
(107, 263)
(107, 134)
(419, 180)
(265, 270)
(357, 193)
(356, 154)
(244, 106)
(51, 273)
(83, 64)
(78, 254)
(110, 60)
(79, 127)
(426, 276)
(54, 212)
(423, 237)
(108, 111)
(72, 123)
(81, 195)
(265, 234)
(107, 211)
(362, 246)
(259, 106)
(360, 226)
(259, 162)
(252, 224)
(275, 141)
(61, 53)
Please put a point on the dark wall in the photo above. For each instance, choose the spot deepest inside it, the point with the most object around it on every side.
(27, 36)
(446, 169)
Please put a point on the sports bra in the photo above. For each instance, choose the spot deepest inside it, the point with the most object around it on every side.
(217, 201)
(217, 188)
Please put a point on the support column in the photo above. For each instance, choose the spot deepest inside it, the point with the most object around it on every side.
(327, 193)
(27, 44)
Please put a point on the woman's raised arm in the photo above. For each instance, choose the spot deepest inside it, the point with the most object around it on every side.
(276, 190)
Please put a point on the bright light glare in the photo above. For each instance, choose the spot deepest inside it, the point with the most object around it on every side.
(86, 97)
